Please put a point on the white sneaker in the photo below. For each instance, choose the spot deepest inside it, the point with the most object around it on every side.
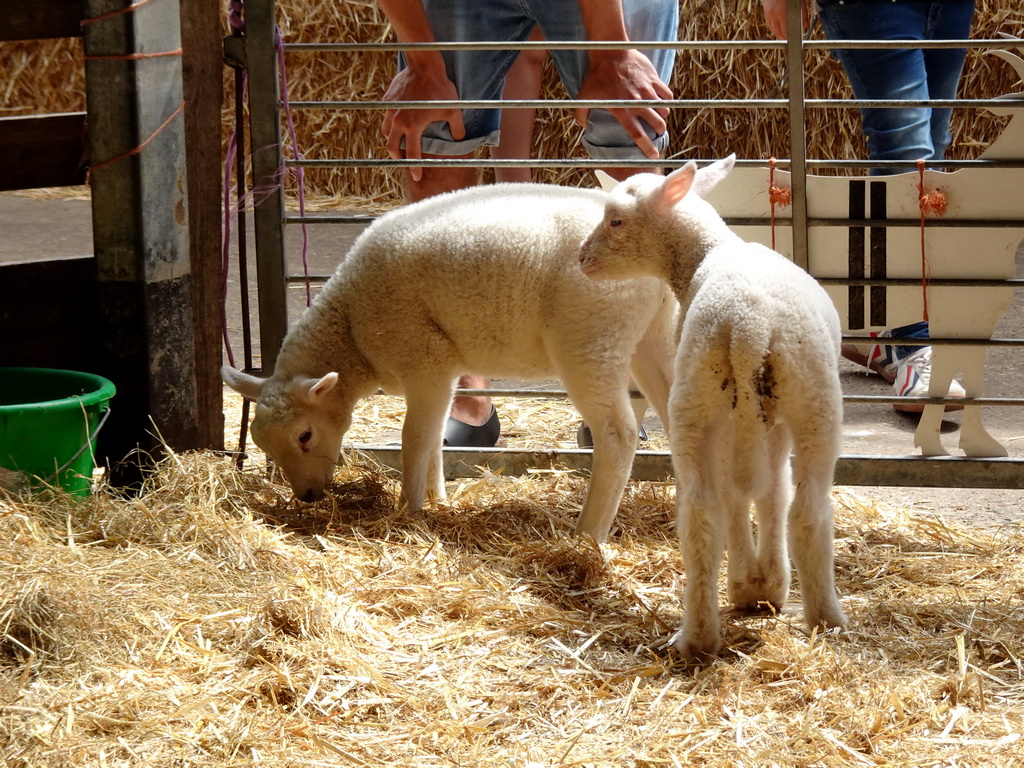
(913, 375)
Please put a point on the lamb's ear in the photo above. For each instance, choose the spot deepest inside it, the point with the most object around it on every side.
(249, 387)
(606, 180)
(313, 390)
(708, 178)
(673, 188)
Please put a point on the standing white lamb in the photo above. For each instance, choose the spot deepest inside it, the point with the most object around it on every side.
(756, 377)
(481, 281)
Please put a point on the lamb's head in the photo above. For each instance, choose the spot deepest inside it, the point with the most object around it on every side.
(298, 424)
(650, 221)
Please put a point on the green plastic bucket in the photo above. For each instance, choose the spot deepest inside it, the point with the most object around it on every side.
(49, 419)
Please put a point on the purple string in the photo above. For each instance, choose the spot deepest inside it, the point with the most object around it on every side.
(235, 15)
(300, 176)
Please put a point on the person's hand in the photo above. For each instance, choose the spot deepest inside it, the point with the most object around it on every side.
(775, 17)
(419, 83)
(626, 74)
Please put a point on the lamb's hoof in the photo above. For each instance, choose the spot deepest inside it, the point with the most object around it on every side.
(758, 595)
(761, 606)
(699, 651)
(462, 435)
(436, 497)
(698, 643)
(829, 618)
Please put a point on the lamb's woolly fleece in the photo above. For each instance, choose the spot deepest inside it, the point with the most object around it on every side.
(481, 281)
(473, 282)
(756, 375)
(747, 306)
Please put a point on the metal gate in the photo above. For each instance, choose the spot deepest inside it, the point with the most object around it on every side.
(258, 50)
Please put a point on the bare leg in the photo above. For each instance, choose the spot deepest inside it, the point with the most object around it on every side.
(472, 410)
(522, 83)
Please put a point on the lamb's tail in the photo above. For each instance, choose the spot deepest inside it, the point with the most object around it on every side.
(754, 381)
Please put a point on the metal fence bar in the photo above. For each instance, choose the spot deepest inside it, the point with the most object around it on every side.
(653, 465)
(797, 134)
(906, 282)
(679, 45)
(656, 466)
(317, 218)
(561, 394)
(671, 160)
(668, 103)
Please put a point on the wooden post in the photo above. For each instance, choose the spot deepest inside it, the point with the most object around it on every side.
(140, 229)
(203, 67)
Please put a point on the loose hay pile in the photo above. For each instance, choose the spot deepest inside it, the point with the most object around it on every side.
(213, 622)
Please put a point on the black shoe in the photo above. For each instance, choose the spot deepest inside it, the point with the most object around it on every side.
(584, 439)
(462, 435)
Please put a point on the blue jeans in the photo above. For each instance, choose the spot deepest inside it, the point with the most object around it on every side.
(901, 133)
(918, 330)
(480, 75)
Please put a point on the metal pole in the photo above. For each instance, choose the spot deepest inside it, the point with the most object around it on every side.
(797, 130)
(268, 177)
(656, 466)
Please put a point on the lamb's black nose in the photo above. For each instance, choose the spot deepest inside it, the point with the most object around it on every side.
(310, 496)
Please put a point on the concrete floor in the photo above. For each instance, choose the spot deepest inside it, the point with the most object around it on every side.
(33, 229)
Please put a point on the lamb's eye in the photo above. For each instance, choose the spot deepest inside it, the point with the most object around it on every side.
(304, 439)
(614, 223)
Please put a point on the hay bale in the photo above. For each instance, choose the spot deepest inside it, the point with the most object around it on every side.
(46, 76)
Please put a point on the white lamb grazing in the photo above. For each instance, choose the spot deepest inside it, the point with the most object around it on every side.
(756, 376)
(482, 281)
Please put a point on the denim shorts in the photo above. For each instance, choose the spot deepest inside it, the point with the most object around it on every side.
(480, 75)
